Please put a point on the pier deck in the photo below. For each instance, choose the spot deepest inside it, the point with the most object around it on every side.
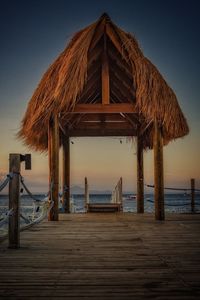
(105, 256)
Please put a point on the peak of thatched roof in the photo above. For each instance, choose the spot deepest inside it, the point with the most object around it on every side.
(105, 16)
(75, 77)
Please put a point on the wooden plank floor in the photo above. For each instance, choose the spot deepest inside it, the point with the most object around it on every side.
(105, 256)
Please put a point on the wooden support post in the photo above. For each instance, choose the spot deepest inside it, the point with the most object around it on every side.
(192, 194)
(158, 173)
(66, 174)
(140, 176)
(105, 75)
(14, 201)
(53, 140)
(86, 193)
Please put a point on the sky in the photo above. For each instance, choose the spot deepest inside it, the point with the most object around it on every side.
(33, 33)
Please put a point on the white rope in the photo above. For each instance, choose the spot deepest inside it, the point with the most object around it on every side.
(43, 206)
(5, 181)
(28, 191)
(45, 210)
(6, 216)
(46, 207)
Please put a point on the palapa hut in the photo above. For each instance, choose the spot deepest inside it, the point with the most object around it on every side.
(103, 85)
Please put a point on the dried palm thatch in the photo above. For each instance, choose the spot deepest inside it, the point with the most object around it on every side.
(65, 79)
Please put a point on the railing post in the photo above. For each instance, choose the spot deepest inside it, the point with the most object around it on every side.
(192, 194)
(86, 193)
(14, 202)
(14, 197)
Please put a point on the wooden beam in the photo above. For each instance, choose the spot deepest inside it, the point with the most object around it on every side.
(105, 125)
(158, 172)
(53, 139)
(98, 34)
(105, 80)
(101, 132)
(140, 176)
(114, 38)
(108, 108)
(132, 118)
(66, 174)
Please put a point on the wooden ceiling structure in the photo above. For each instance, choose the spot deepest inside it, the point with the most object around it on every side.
(106, 106)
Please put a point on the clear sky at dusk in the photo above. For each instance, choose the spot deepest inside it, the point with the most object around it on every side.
(33, 33)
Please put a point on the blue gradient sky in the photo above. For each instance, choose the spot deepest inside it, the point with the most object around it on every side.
(33, 33)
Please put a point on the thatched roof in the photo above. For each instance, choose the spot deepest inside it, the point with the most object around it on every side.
(75, 77)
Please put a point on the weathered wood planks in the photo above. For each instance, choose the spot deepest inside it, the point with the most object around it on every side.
(105, 256)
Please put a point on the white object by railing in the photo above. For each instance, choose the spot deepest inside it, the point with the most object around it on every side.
(117, 193)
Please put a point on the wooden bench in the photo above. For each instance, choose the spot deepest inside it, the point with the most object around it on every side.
(104, 207)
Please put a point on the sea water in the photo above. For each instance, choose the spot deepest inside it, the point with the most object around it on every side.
(174, 203)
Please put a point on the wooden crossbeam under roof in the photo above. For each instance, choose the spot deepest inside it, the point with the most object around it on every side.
(104, 108)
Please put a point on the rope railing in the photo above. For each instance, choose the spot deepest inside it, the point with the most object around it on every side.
(28, 191)
(192, 191)
(172, 204)
(6, 216)
(173, 189)
(42, 206)
(6, 181)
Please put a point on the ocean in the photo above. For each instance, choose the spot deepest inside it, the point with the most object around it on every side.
(174, 203)
(30, 210)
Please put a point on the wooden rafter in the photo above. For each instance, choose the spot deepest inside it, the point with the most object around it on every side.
(90, 88)
(125, 80)
(105, 74)
(120, 97)
(114, 38)
(94, 55)
(117, 60)
(98, 34)
(120, 87)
